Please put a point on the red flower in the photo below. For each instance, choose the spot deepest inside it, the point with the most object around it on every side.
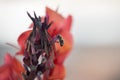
(12, 69)
(61, 26)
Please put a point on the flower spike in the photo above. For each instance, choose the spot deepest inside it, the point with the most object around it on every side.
(30, 16)
(35, 15)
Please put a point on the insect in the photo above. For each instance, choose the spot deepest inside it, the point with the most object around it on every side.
(39, 43)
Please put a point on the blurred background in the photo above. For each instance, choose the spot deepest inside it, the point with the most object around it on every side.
(96, 32)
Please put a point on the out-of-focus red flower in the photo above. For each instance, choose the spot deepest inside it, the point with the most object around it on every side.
(60, 26)
(11, 69)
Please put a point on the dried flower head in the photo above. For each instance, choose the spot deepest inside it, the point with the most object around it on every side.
(57, 25)
(39, 44)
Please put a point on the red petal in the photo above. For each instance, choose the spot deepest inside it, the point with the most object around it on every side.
(54, 16)
(12, 61)
(12, 69)
(68, 23)
(21, 41)
(5, 72)
(57, 20)
(57, 73)
(65, 26)
(61, 26)
(63, 52)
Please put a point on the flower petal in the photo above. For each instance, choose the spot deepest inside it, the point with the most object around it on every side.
(21, 41)
(58, 72)
(63, 52)
(54, 16)
(12, 69)
(59, 22)
(14, 63)
(67, 23)
(4, 72)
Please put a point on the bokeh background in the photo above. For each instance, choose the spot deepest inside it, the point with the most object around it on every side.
(96, 32)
